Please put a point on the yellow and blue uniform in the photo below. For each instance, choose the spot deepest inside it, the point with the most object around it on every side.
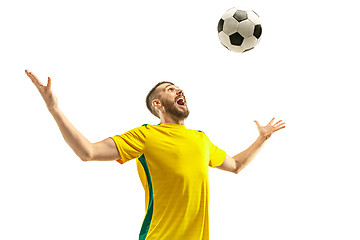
(173, 168)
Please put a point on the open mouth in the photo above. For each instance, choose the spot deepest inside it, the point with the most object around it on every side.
(181, 101)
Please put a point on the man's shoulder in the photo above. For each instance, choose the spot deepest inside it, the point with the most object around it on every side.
(142, 128)
(198, 132)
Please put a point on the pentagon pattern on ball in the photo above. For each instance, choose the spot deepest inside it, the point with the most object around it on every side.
(236, 39)
(239, 30)
(220, 25)
(240, 15)
(257, 31)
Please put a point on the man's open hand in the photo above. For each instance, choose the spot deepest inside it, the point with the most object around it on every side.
(268, 130)
(45, 91)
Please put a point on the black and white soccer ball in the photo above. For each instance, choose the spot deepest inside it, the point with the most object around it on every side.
(239, 30)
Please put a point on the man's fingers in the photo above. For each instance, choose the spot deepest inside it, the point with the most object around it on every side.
(281, 124)
(277, 122)
(278, 128)
(34, 79)
(272, 120)
(49, 83)
(32, 76)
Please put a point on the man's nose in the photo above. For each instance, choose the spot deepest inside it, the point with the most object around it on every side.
(180, 92)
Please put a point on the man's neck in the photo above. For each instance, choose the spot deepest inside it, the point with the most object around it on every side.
(168, 119)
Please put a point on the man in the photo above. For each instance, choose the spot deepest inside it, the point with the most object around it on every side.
(172, 161)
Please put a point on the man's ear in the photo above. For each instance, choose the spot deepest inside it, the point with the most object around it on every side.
(156, 103)
(157, 107)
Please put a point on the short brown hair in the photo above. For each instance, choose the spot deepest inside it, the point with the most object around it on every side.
(153, 94)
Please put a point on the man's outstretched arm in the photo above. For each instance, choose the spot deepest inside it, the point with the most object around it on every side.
(240, 161)
(85, 150)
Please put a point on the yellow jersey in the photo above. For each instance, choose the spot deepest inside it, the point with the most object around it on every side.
(172, 163)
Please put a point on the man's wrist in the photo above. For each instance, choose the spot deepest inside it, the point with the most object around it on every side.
(263, 138)
(53, 110)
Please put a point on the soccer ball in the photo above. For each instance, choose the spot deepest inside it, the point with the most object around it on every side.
(239, 30)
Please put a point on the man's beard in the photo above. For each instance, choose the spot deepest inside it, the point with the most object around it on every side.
(174, 111)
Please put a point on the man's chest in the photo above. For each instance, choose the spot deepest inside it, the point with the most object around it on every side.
(179, 154)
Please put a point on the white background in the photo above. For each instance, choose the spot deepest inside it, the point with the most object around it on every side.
(103, 58)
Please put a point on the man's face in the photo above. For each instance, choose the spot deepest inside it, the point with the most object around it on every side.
(174, 101)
